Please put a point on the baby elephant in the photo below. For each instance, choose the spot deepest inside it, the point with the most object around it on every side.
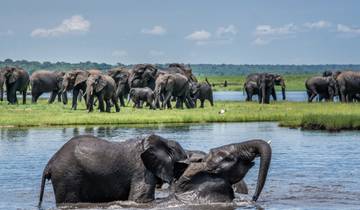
(202, 91)
(140, 95)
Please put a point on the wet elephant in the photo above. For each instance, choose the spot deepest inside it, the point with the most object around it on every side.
(16, 79)
(46, 81)
(89, 169)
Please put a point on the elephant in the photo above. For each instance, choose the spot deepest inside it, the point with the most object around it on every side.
(121, 77)
(139, 95)
(251, 86)
(103, 87)
(349, 85)
(202, 91)
(75, 80)
(266, 84)
(176, 85)
(143, 75)
(46, 81)
(2, 82)
(16, 79)
(89, 169)
(174, 68)
(211, 180)
(325, 87)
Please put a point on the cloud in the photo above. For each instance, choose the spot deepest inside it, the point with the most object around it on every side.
(119, 53)
(318, 25)
(264, 34)
(6, 33)
(75, 24)
(348, 30)
(224, 31)
(156, 30)
(200, 37)
(156, 53)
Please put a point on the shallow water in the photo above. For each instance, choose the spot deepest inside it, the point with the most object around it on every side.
(239, 96)
(309, 169)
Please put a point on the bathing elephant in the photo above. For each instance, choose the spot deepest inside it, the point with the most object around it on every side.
(140, 95)
(143, 75)
(103, 88)
(252, 87)
(46, 81)
(325, 87)
(89, 169)
(202, 91)
(121, 77)
(349, 85)
(16, 79)
(176, 85)
(75, 80)
(211, 180)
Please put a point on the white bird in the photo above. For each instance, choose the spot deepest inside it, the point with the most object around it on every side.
(222, 111)
(269, 142)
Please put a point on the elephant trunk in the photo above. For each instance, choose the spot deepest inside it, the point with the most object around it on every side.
(263, 93)
(283, 90)
(89, 97)
(264, 150)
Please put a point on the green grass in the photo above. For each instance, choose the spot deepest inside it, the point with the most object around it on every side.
(327, 116)
(293, 82)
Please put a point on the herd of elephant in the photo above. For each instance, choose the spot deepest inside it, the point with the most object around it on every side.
(144, 83)
(87, 169)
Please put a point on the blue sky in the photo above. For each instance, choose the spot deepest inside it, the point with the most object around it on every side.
(189, 31)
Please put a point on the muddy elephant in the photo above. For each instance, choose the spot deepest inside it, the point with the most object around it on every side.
(140, 95)
(174, 68)
(75, 80)
(46, 81)
(202, 91)
(16, 79)
(324, 87)
(143, 75)
(89, 169)
(173, 85)
(252, 87)
(349, 85)
(211, 180)
(103, 88)
(121, 78)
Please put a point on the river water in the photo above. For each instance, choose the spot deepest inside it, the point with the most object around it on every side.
(309, 169)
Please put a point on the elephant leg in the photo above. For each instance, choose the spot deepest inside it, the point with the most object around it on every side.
(167, 100)
(64, 98)
(58, 96)
(75, 97)
(52, 97)
(24, 96)
(312, 96)
(202, 103)
(177, 105)
(2, 93)
(142, 189)
(108, 105)
(241, 187)
(35, 97)
(115, 102)
(101, 103)
(66, 194)
(273, 93)
(211, 102)
(122, 102)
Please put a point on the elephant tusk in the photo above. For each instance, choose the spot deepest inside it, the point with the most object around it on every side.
(269, 142)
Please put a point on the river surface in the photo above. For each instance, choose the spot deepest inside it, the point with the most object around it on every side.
(309, 169)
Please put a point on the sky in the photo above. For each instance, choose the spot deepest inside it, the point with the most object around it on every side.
(186, 31)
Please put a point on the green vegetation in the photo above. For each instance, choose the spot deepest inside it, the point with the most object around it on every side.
(329, 116)
(235, 83)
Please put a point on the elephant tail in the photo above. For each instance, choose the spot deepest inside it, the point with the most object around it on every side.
(46, 175)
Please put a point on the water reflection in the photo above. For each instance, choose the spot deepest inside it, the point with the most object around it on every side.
(308, 170)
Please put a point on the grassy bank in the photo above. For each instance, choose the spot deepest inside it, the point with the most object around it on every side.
(327, 116)
(293, 82)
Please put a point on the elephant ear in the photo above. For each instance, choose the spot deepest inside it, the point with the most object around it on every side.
(14, 75)
(159, 159)
(81, 76)
(101, 83)
(219, 161)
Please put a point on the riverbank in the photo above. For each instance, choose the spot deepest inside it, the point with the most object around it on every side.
(317, 116)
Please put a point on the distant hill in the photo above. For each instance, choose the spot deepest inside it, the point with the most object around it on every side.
(198, 69)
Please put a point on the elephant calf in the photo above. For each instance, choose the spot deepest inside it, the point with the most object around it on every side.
(202, 91)
(140, 95)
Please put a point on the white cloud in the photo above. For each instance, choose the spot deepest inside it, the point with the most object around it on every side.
(156, 53)
(72, 25)
(318, 25)
(156, 30)
(119, 53)
(224, 31)
(348, 30)
(200, 37)
(264, 34)
(261, 41)
(6, 33)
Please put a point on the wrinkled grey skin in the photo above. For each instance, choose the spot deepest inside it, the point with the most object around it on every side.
(75, 80)
(349, 85)
(140, 95)
(325, 87)
(266, 86)
(16, 79)
(46, 81)
(143, 75)
(251, 86)
(211, 180)
(89, 169)
(103, 88)
(176, 85)
(174, 68)
(202, 91)
(121, 77)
